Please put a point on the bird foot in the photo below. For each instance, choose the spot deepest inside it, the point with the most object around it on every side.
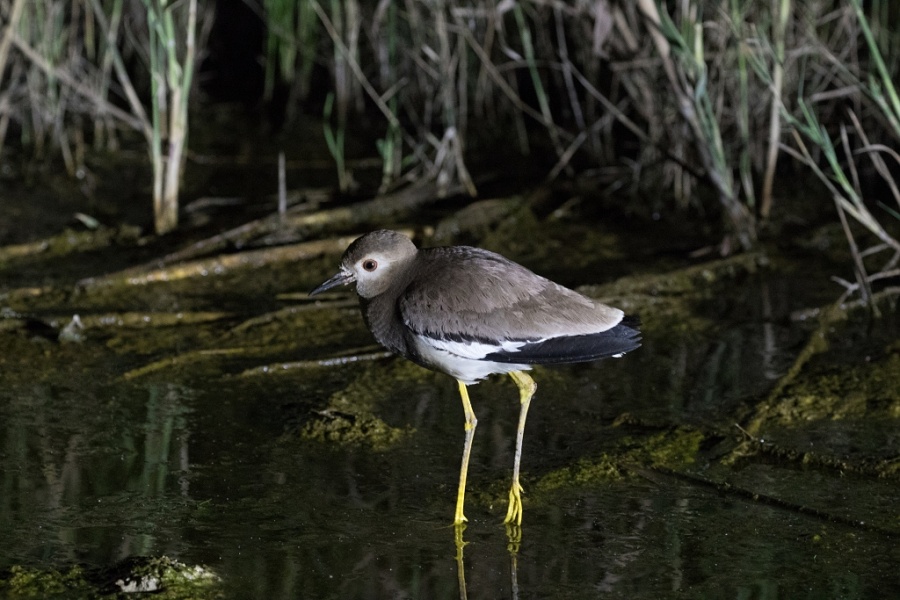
(514, 512)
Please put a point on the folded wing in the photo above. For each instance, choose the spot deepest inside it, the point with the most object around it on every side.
(496, 310)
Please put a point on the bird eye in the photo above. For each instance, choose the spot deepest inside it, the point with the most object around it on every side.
(370, 264)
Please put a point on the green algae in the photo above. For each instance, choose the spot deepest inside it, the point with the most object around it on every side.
(349, 417)
(165, 578)
(846, 399)
(378, 383)
(302, 325)
(671, 450)
(585, 472)
(356, 429)
(808, 393)
(24, 582)
(871, 389)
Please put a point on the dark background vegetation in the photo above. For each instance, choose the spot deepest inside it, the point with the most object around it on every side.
(746, 119)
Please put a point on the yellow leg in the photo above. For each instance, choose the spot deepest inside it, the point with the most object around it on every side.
(471, 422)
(527, 386)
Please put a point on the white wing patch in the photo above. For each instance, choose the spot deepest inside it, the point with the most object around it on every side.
(465, 360)
(473, 350)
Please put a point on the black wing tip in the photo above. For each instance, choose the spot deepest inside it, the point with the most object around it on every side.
(632, 321)
(619, 340)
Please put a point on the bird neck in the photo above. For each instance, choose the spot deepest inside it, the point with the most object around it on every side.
(382, 317)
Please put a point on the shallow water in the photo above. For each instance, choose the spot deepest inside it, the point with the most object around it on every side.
(102, 459)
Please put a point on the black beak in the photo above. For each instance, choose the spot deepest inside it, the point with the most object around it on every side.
(342, 278)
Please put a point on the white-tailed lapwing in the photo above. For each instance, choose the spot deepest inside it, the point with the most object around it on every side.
(469, 313)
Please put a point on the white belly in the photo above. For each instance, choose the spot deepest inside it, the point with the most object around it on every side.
(461, 360)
